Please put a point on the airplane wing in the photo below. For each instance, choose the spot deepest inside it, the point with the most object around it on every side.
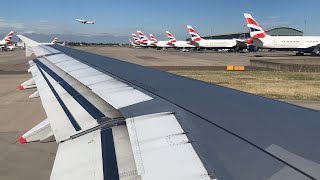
(80, 20)
(117, 120)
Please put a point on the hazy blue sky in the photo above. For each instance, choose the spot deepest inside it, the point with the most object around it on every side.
(122, 17)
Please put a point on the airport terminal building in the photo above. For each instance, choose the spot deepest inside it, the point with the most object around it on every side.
(276, 31)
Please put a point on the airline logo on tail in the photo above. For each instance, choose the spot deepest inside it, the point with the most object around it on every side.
(8, 37)
(54, 41)
(170, 36)
(255, 29)
(136, 39)
(194, 35)
(143, 38)
(153, 38)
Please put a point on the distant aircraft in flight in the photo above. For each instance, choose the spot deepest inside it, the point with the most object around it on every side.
(85, 22)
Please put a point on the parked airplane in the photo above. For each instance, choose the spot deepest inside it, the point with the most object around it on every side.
(54, 41)
(63, 44)
(85, 22)
(133, 44)
(144, 39)
(160, 44)
(179, 44)
(117, 120)
(4, 42)
(136, 39)
(229, 44)
(302, 44)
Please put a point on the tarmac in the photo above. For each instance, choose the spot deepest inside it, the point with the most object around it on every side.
(18, 113)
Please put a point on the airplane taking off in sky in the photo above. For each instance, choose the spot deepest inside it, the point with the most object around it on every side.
(160, 44)
(259, 38)
(179, 44)
(215, 43)
(85, 22)
(4, 42)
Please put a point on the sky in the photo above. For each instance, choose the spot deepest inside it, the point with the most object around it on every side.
(120, 18)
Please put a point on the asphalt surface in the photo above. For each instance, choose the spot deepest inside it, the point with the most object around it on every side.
(18, 113)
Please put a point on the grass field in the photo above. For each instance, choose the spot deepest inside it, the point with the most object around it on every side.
(272, 84)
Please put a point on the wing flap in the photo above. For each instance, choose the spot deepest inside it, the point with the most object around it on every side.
(79, 158)
(159, 142)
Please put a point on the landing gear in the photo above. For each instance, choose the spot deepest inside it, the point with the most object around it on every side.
(185, 50)
(299, 54)
(315, 53)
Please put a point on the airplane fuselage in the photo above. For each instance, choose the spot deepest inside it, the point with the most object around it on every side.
(163, 44)
(217, 43)
(183, 44)
(298, 43)
(148, 43)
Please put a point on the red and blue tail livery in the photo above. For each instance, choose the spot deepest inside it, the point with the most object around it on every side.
(194, 35)
(255, 29)
(136, 39)
(172, 39)
(8, 37)
(153, 38)
(143, 38)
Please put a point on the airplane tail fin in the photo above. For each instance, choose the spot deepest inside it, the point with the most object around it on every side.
(94, 21)
(194, 35)
(171, 37)
(54, 41)
(153, 38)
(143, 38)
(8, 37)
(255, 29)
(136, 39)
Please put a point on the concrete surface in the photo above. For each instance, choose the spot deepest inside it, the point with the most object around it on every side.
(18, 113)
